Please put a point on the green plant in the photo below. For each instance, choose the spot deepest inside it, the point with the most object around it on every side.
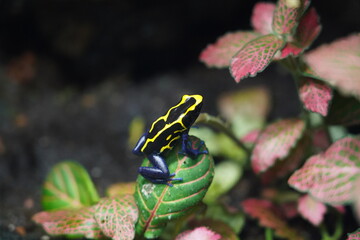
(313, 153)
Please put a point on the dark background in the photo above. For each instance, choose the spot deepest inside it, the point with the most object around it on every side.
(73, 74)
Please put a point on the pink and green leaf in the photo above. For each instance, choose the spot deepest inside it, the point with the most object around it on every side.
(286, 16)
(68, 186)
(262, 17)
(308, 29)
(315, 95)
(255, 56)
(220, 53)
(268, 216)
(338, 63)
(311, 209)
(117, 216)
(79, 222)
(122, 188)
(354, 235)
(275, 142)
(331, 177)
(200, 233)
(344, 111)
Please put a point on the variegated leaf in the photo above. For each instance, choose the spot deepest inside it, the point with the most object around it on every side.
(286, 16)
(78, 222)
(117, 216)
(315, 95)
(338, 64)
(267, 215)
(199, 233)
(275, 142)
(159, 203)
(68, 186)
(220, 53)
(331, 177)
(311, 209)
(354, 235)
(255, 56)
(262, 16)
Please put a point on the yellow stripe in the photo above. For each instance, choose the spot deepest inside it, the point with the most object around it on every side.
(198, 100)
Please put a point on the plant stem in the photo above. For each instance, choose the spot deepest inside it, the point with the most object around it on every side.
(268, 234)
(338, 230)
(218, 124)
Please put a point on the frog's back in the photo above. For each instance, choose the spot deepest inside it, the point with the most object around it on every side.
(167, 129)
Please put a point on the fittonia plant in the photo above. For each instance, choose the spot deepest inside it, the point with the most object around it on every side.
(313, 153)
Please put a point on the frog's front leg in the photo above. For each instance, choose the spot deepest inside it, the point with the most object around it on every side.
(159, 173)
(187, 148)
(139, 145)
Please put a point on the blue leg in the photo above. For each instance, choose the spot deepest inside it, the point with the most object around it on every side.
(187, 149)
(159, 173)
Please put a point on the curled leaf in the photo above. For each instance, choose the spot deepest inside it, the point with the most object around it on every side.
(331, 177)
(311, 209)
(68, 186)
(338, 64)
(220, 53)
(315, 95)
(255, 56)
(200, 233)
(275, 142)
(117, 216)
(262, 16)
(158, 203)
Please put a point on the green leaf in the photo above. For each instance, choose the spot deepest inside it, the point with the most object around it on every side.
(68, 186)
(158, 203)
(116, 217)
(227, 175)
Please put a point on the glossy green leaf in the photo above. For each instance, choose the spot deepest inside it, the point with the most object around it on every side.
(158, 203)
(68, 186)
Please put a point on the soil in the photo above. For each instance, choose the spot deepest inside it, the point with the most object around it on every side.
(73, 74)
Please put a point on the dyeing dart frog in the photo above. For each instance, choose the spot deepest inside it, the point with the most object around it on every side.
(164, 134)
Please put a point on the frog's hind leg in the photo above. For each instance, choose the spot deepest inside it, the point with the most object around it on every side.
(187, 149)
(159, 173)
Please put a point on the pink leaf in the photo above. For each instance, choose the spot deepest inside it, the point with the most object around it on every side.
(315, 95)
(275, 143)
(338, 63)
(354, 236)
(267, 215)
(255, 56)
(290, 49)
(251, 137)
(321, 139)
(117, 216)
(200, 233)
(308, 29)
(220, 53)
(311, 209)
(331, 177)
(74, 222)
(262, 16)
(287, 165)
(286, 15)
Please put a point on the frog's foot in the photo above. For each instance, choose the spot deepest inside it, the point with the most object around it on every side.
(187, 148)
(155, 175)
(159, 173)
